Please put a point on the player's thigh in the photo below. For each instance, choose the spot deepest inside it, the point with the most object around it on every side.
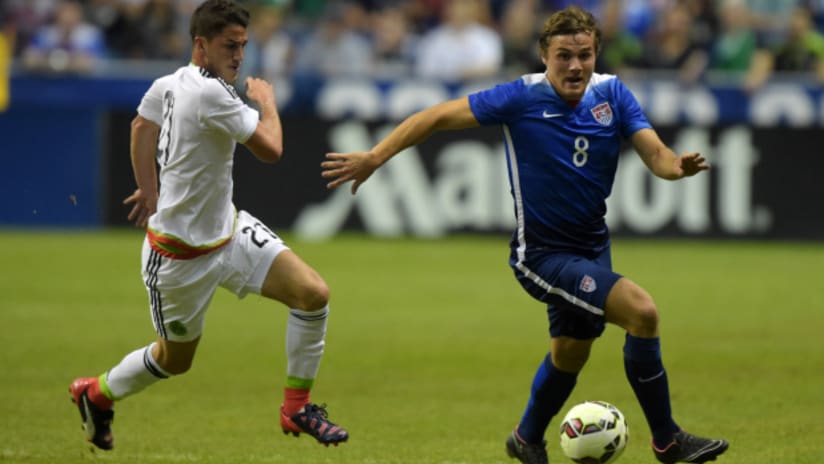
(293, 282)
(179, 292)
(260, 262)
(569, 280)
(575, 289)
(632, 308)
(248, 256)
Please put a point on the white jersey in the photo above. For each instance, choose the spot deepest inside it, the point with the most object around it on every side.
(201, 119)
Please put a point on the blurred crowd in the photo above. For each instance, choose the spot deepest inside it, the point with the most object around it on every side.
(746, 41)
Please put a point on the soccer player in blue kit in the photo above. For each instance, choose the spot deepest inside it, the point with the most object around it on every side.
(562, 133)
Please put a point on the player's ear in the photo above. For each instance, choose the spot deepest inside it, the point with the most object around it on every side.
(200, 44)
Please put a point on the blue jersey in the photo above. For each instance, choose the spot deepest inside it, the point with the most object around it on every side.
(561, 159)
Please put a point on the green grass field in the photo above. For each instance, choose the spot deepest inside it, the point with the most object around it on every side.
(430, 353)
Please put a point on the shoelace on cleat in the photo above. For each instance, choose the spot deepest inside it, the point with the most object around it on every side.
(320, 426)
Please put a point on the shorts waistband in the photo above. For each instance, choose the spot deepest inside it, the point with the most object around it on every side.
(175, 248)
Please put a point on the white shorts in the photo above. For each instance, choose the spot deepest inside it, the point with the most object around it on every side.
(180, 290)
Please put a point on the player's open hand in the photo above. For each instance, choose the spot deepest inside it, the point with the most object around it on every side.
(690, 164)
(343, 167)
(144, 206)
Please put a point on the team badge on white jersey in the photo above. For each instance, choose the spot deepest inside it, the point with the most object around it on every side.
(602, 113)
(588, 284)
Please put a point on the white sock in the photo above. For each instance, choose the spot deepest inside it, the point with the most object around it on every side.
(135, 372)
(305, 334)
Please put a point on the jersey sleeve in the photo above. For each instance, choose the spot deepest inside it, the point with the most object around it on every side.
(498, 104)
(151, 106)
(632, 116)
(223, 110)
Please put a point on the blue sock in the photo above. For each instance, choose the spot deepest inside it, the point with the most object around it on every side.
(550, 389)
(645, 372)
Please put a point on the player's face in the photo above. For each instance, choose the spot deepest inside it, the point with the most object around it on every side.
(570, 61)
(224, 52)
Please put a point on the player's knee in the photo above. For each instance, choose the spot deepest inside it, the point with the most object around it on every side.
(175, 359)
(175, 366)
(570, 355)
(179, 368)
(569, 362)
(314, 296)
(645, 319)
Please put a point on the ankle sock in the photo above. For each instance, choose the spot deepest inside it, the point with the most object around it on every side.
(294, 399)
(97, 395)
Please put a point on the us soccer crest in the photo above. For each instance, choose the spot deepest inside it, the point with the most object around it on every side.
(602, 113)
(588, 284)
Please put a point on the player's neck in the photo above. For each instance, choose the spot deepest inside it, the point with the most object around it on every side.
(198, 56)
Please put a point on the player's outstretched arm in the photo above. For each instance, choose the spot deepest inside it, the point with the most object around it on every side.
(358, 166)
(662, 161)
(143, 147)
(266, 143)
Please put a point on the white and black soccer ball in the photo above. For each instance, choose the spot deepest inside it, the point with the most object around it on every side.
(594, 432)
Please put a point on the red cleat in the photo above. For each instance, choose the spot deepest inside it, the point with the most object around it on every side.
(97, 421)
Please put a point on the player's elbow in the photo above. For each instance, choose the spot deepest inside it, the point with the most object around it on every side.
(269, 159)
(265, 147)
(270, 154)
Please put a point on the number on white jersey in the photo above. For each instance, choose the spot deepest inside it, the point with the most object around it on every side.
(165, 139)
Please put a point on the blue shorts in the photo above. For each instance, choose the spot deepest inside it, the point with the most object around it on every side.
(573, 286)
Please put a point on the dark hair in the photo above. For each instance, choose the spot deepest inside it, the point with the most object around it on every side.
(569, 21)
(212, 16)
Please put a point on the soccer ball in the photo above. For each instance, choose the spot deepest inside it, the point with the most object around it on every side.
(594, 432)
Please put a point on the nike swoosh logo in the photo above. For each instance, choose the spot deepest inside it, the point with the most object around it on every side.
(552, 115)
(650, 379)
(89, 423)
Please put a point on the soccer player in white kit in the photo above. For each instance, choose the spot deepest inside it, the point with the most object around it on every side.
(188, 123)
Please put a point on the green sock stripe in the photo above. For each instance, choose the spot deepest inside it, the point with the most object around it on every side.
(298, 383)
(104, 387)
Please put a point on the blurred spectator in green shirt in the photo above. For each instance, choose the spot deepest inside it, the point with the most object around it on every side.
(620, 48)
(736, 42)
